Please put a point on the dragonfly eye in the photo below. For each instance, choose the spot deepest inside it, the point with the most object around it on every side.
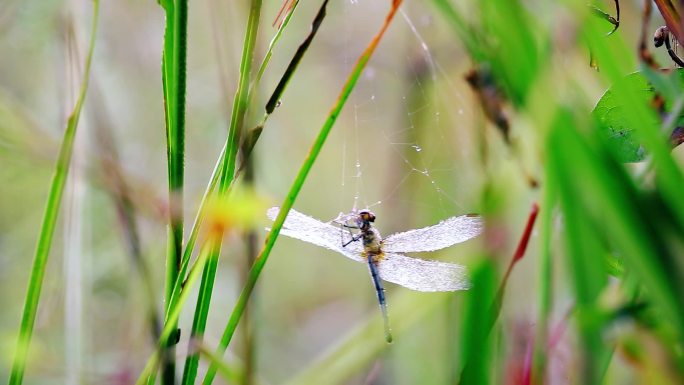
(367, 216)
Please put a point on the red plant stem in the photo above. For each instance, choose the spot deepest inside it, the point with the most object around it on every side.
(286, 4)
(524, 240)
(519, 253)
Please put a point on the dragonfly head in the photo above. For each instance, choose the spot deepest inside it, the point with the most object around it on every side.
(365, 218)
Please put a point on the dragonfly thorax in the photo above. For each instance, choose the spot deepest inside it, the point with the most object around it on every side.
(372, 241)
(370, 235)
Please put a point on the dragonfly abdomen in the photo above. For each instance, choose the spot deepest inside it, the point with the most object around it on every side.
(381, 295)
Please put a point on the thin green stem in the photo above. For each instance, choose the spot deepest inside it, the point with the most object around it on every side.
(252, 136)
(241, 98)
(199, 218)
(173, 79)
(50, 218)
(189, 248)
(231, 375)
(296, 59)
(545, 281)
(169, 327)
(269, 51)
(199, 321)
(261, 260)
(240, 104)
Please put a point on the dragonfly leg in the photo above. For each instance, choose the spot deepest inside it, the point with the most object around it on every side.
(353, 239)
(349, 228)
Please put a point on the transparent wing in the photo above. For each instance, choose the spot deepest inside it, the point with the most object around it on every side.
(423, 275)
(308, 229)
(444, 234)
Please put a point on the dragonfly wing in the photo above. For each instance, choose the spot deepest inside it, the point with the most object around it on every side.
(308, 229)
(444, 234)
(423, 275)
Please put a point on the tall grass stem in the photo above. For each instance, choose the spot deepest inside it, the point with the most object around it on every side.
(50, 217)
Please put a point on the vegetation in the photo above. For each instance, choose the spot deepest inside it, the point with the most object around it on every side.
(513, 109)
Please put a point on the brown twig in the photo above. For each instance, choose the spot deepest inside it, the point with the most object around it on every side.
(644, 54)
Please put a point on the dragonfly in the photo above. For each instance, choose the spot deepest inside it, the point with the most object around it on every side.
(384, 256)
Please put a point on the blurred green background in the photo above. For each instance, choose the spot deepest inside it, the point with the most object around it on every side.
(412, 144)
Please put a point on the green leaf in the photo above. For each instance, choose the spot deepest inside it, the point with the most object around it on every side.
(610, 113)
(614, 126)
(602, 203)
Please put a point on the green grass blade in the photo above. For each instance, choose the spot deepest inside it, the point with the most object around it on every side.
(187, 253)
(271, 46)
(252, 136)
(634, 224)
(172, 319)
(512, 46)
(615, 59)
(294, 191)
(476, 342)
(241, 100)
(583, 248)
(192, 239)
(240, 105)
(199, 321)
(296, 59)
(174, 85)
(173, 81)
(602, 200)
(215, 174)
(231, 375)
(545, 278)
(504, 40)
(202, 308)
(173, 78)
(50, 217)
(465, 33)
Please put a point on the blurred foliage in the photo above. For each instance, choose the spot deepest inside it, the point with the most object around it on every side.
(650, 86)
(464, 107)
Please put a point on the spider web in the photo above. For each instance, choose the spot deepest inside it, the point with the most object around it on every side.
(397, 150)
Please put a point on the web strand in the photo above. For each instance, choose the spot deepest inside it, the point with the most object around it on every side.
(375, 139)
